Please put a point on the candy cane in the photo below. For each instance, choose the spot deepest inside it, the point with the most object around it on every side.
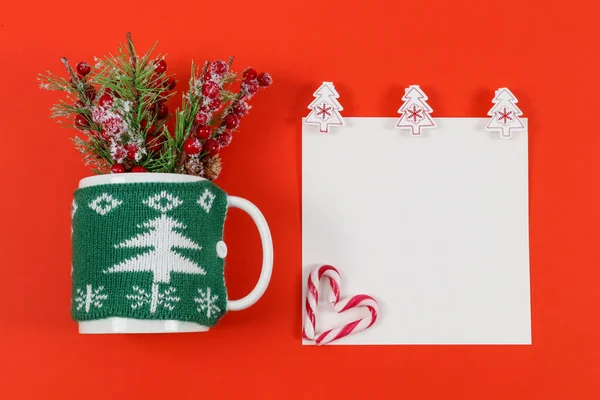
(312, 300)
(312, 296)
(353, 327)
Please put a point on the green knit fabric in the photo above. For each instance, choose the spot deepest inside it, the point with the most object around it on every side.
(148, 251)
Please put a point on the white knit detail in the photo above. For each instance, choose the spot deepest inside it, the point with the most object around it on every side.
(163, 202)
(73, 208)
(73, 211)
(206, 302)
(104, 203)
(155, 298)
(90, 297)
(206, 200)
(161, 260)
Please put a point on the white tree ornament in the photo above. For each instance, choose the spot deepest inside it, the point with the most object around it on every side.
(415, 111)
(505, 114)
(325, 109)
(161, 260)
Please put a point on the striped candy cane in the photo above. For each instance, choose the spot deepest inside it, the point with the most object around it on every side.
(360, 300)
(312, 296)
(312, 300)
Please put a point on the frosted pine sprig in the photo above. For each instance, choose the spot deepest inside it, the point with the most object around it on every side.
(120, 106)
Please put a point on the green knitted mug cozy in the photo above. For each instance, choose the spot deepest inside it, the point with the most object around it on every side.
(149, 251)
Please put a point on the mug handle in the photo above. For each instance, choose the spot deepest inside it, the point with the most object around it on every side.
(267, 262)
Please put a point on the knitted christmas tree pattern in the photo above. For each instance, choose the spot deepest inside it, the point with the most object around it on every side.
(148, 251)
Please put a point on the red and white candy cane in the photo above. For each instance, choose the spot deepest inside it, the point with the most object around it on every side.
(312, 300)
(360, 300)
(312, 296)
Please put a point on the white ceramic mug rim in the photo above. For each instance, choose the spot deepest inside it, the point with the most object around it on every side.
(136, 177)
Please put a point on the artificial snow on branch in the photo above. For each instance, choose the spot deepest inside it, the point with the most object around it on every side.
(120, 104)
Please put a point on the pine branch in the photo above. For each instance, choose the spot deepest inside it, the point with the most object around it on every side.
(190, 107)
(133, 60)
(129, 115)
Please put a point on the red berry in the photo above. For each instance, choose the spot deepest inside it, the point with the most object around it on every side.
(204, 133)
(105, 101)
(201, 118)
(144, 126)
(212, 146)
(132, 150)
(118, 153)
(81, 121)
(162, 111)
(113, 124)
(215, 104)
(160, 66)
(83, 68)
(249, 74)
(210, 89)
(90, 92)
(219, 67)
(170, 83)
(208, 77)
(205, 109)
(155, 80)
(117, 169)
(250, 87)
(138, 168)
(164, 96)
(105, 135)
(192, 146)
(112, 93)
(264, 79)
(231, 121)
(240, 108)
(224, 139)
(153, 143)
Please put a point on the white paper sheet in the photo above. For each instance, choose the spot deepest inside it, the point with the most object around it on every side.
(435, 227)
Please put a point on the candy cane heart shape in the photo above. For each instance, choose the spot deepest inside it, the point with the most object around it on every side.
(312, 296)
(360, 300)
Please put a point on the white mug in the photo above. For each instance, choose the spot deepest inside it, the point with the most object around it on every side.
(119, 324)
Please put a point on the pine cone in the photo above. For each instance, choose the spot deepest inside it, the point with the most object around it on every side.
(193, 166)
(212, 167)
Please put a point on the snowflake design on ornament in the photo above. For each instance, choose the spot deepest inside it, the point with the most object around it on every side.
(414, 114)
(504, 116)
(206, 302)
(323, 111)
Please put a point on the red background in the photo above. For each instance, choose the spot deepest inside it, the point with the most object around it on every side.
(458, 51)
